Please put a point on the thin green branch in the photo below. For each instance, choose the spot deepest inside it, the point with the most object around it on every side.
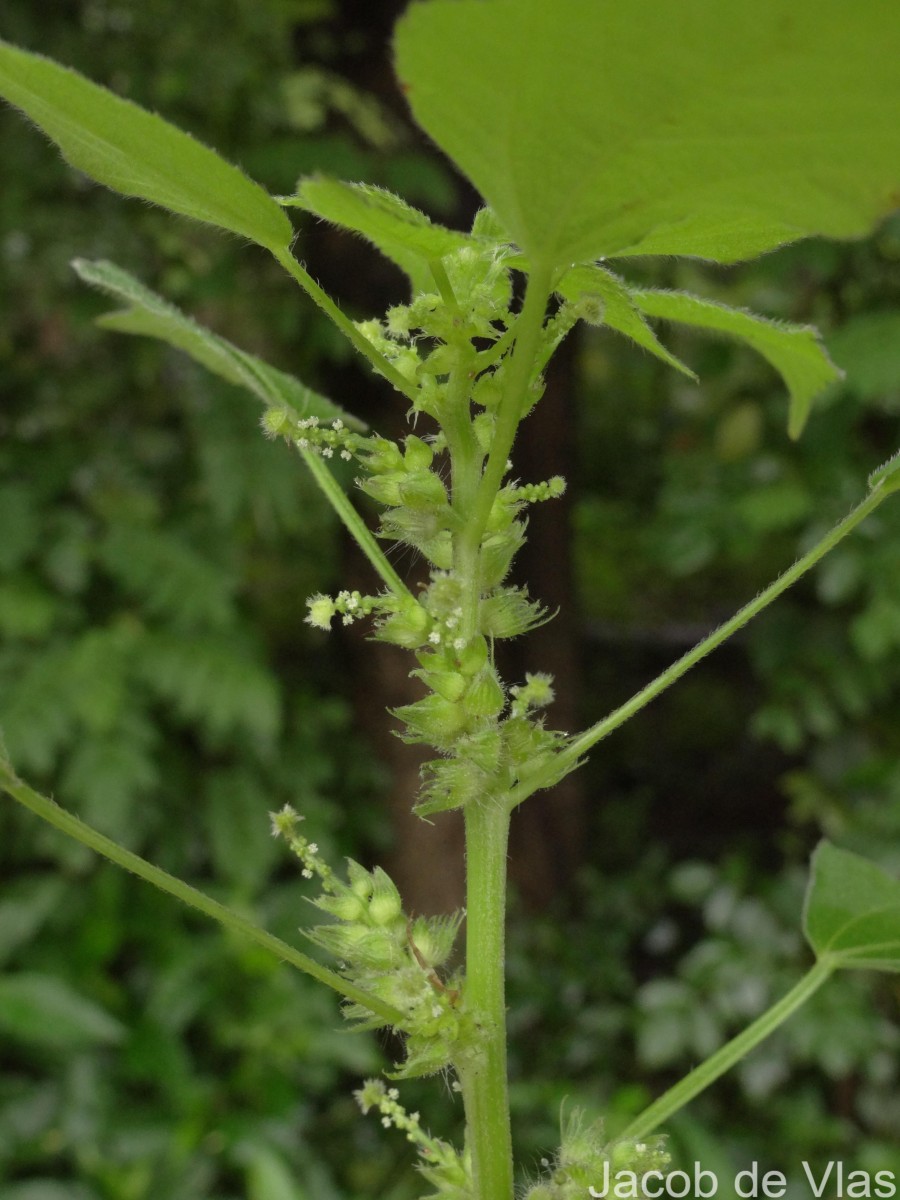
(346, 326)
(515, 389)
(732, 1052)
(354, 523)
(578, 746)
(444, 286)
(75, 828)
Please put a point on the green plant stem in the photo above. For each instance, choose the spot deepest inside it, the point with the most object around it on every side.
(568, 757)
(444, 286)
(510, 410)
(343, 322)
(48, 810)
(354, 523)
(483, 1076)
(732, 1052)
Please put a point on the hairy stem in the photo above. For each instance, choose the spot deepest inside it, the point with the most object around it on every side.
(346, 326)
(483, 1077)
(729, 1054)
(49, 811)
(354, 523)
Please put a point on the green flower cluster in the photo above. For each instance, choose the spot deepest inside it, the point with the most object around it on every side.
(389, 955)
(444, 1169)
(451, 344)
(585, 1158)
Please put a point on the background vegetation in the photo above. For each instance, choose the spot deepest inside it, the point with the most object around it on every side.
(156, 676)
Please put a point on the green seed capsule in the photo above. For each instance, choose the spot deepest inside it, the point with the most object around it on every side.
(417, 454)
(485, 696)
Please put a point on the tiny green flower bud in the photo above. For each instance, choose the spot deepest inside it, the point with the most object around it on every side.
(385, 488)
(361, 882)
(473, 656)
(433, 720)
(536, 692)
(321, 610)
(485, 696)
(590, 309)
(398, 320)
(407, 363)
(509, 613)
(383, 455)
(497, 552)
(483, 425)
(416, 526)
(417, 454)
(385, 906)
(488, 392)
(377, 948)
(346, 906)
(449, 684)
(483, 749)
(440, 360)
(409, 627)
(423, 490)
(276, 422)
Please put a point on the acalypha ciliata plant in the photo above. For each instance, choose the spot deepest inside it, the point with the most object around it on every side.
(594, 131)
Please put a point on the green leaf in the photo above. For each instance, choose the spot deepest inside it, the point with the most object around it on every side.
(268, 1177)
(887, 476)
(795, 351)
(701, 128)
(213, 681)
(135, 152)
(235, 807)
(852, 913)
(45, 1011)
(617, 309)
(151, 316)
(46, 1188)
(402, 233)
(867, 348)
(26, 905)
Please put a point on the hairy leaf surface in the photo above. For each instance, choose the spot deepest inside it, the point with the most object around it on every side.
(152, 316)
(402, 233)
(697, 128)
(795, 351)
(135, 152)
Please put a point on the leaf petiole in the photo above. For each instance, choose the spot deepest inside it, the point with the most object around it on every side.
(49, 811)
(343, 322)
(732, 1052)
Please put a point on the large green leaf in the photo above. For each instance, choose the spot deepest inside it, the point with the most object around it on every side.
(795, 351)
(701, 127)
(852, 912)
(136, 152)
(150, 315)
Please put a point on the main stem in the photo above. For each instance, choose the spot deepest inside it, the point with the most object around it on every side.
(482, 1069)
(483, 1077)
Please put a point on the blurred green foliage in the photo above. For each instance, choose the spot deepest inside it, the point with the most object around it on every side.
(154, 672)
